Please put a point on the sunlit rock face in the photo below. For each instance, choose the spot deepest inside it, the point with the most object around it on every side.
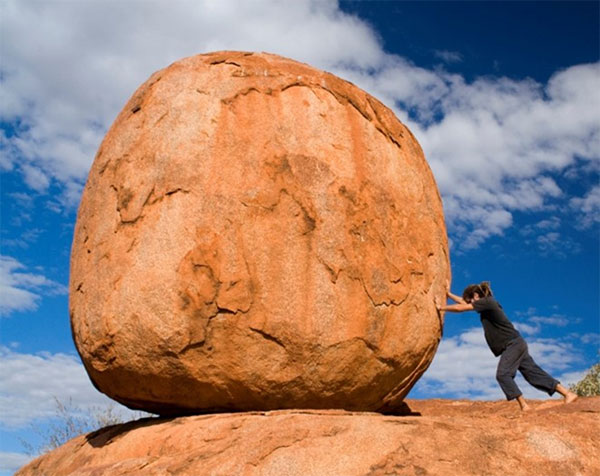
(449, 437)
(257, 234)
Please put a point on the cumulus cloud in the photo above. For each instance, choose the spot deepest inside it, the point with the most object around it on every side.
(11, 462)
(494, 144)
(20, 290)
(65, 81)
(30, 383)
(500, 142)
(463, 367)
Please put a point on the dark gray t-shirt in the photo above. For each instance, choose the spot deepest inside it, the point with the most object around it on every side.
(498, 330)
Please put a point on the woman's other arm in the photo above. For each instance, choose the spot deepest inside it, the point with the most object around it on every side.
(456, 298)
(460, 307)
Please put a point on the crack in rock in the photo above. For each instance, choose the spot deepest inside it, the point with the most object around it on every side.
(125, 197)
(268, 336)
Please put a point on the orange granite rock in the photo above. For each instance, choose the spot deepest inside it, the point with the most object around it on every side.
(257, 234)
(449, 438)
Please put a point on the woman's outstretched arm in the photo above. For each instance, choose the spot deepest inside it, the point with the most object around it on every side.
(456, 298)
(461, 307)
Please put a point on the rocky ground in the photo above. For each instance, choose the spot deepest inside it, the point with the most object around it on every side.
(439, 437)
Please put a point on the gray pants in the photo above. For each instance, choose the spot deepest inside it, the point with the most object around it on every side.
(516, 357)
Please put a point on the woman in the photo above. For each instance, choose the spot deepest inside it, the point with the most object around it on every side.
(505, 341)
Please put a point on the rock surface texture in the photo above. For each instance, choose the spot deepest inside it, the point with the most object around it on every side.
(449, 438)
(256, 234)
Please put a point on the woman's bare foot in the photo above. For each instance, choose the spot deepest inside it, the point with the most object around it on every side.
(523, 404)
(566, 393)
(570, 397)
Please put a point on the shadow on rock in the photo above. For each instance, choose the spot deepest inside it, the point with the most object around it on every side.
(107, 435)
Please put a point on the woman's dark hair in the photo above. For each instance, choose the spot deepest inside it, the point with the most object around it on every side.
(483, 289)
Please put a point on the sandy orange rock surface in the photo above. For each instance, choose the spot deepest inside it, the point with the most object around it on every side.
(257, 234)
(448, 438)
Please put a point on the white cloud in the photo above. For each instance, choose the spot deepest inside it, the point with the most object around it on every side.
(11, 462)
(553, 320)
(26, 238)
(591, 337)
(535, 324)
(448, 56)
(30, 383)
(463, 367)
(500, 140)
(571, 378)
(22, 199)
(20, 291)
(554, 354)
(35, 178)
(551, 223)
(557, 245)
(546, 236)
(493, 144)
(528, 329)
(67, 79)
(588, 207)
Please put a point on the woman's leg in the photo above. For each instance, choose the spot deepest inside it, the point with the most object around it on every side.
(510, 361)
(541, 380)
(536, 376)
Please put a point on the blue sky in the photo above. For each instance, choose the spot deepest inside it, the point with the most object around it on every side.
(503, 97)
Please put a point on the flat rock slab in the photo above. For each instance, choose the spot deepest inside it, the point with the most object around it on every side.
(448, 438)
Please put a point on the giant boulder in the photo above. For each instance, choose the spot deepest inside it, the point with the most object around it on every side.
(257, 234)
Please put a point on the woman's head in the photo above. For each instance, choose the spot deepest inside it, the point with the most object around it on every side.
(482, 289)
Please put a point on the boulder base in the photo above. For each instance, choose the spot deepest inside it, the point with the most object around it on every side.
(256, 234)
(449, 438)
